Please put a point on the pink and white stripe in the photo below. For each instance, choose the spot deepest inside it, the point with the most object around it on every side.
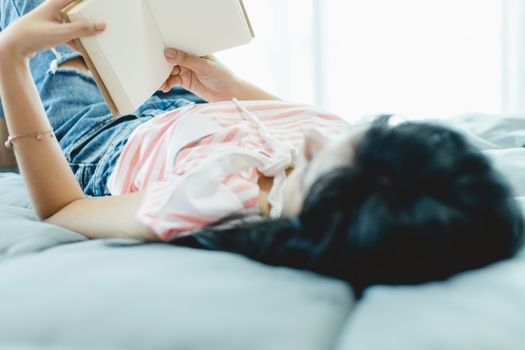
(145, 163)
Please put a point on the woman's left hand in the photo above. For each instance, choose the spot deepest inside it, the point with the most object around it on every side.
(43, 28)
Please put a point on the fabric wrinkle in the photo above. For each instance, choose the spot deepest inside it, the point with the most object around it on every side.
(201, 164)
(53, 66)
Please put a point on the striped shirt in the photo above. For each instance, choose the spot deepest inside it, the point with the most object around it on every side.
(201, 163)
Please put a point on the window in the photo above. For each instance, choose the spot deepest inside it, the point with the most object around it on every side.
(353, 57)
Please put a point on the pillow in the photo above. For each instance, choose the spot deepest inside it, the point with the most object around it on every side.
(13, 191)
(21, 232)
(107, 294)
(97, 295)
(477, 310)
(490, 131)
(511, 164)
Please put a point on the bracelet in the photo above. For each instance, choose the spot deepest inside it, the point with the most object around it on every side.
(38, 135)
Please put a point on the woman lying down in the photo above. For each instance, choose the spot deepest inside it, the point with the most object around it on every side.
(282, 183)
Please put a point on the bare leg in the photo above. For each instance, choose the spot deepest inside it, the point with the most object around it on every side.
(77, 63)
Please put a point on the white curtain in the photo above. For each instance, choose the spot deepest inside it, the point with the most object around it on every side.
(513, 62)
(280, 58)
(419, 58)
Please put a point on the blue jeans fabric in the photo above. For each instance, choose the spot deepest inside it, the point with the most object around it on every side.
(91, 139)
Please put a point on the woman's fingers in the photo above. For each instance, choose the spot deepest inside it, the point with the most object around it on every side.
(184, 59)
(60, 3)
(176, 71)
(172, 81)
(72, 45)
(82, 28)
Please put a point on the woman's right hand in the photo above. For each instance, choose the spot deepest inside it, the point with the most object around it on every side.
(205, 77)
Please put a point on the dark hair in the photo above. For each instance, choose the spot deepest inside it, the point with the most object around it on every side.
(418, 203)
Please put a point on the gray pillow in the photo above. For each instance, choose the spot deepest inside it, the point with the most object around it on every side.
(13, 191)
(478, 310)
(20, 231)
(109, 294)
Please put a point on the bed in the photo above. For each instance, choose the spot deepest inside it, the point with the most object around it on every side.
(61, 291)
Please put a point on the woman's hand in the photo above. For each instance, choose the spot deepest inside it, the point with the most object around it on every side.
(44, 28)
(209, 79)
(205, 77)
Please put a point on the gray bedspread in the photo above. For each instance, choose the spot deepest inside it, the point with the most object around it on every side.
(60, 291)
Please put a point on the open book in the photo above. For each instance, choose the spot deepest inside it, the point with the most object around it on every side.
(127, 59)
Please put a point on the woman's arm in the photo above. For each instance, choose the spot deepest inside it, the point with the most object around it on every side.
(46, 172)
(56, 196)
(209, 79)
(105, 217)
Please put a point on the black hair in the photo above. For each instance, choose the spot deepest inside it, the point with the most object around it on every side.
(417, 203)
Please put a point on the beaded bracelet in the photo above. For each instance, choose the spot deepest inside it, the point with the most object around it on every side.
(38, 135)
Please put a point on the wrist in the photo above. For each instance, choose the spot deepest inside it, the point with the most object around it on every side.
(245, 90)
(231, 88)
(237, 88)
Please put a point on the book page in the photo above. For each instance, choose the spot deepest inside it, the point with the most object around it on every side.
(132, 47)
(201, 27)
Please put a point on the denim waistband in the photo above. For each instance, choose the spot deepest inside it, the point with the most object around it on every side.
(93, 156)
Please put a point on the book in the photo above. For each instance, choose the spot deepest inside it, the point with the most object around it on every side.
(127, 60)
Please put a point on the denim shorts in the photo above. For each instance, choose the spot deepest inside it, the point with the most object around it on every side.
(90, 137)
